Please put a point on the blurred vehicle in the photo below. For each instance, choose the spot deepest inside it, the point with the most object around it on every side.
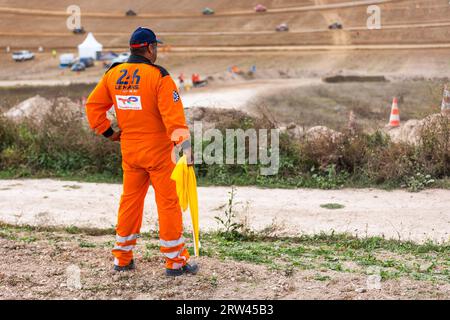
(79, 66)
(66, 60)
(23, 55)
(88, 62)
(123, 57)
(260, 8)
(282, 27)
(108, 56)
(130, 13)
(197, 82)
(335, 26)
(208, 11)
(79, 30)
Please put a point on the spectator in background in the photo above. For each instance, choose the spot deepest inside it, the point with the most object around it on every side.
(181, 80)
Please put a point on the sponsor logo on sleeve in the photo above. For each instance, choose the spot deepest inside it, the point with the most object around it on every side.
(129, 102)
(176, 96)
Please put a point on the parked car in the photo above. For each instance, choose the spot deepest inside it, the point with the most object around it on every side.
(79, 66)
(23, 55)
(88, 62)
(208, 11)
(130, 13)
(335, 26)
(282, 27)
(79, 30)
(260, 8)
(66, 60)
(108, 56)
(123, 57)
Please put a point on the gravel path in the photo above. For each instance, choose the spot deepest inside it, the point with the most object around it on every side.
(367, 212)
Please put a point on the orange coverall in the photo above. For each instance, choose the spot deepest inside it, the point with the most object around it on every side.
(150, 115)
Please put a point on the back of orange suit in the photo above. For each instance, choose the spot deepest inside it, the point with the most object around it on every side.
(151, 119)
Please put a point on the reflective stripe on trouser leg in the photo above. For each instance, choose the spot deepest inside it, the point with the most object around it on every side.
(174, 252)
(121, 239)
(124, 248)
(135, 186)
(123, 253)
(169, 215)
(177, 259)
(171, 243)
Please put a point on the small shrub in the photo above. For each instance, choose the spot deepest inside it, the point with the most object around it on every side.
(418, 182)
(332, 206)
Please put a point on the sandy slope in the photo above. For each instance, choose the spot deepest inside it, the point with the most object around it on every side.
(319, 5)
(396, 214)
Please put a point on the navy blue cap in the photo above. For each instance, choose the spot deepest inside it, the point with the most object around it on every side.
(143, 37)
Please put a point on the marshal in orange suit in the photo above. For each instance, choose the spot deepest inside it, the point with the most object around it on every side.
(151, 121)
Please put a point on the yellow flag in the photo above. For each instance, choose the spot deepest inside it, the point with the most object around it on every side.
(186, 182)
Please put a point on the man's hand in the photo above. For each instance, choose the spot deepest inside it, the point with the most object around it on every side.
(115, 136)
(189, 156)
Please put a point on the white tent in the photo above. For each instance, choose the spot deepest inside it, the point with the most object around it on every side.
(89, 47)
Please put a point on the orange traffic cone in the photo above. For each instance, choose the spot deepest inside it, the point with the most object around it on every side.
(394, 120)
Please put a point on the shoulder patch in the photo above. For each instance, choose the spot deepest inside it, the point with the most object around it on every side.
(176, 96)
(115, 64)
(163, 71)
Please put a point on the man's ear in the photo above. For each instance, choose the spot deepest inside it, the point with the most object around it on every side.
(151, 50)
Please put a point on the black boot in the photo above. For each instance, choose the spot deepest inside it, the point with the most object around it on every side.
(188, 268)
(129, 267)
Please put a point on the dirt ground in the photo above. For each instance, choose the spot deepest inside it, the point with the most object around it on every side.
(34, 24)
(44, 265)
(393, 63)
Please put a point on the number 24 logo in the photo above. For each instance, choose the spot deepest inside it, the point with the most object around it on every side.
(124, 78)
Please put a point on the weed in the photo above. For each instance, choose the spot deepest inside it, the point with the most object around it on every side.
(230, 227)
(419, 182)
(72, 230)
(84, 244)
(213, 281)
(332, 206)
(320, 277)
(28, 239)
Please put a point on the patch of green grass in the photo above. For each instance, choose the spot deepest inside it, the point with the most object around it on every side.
(72, 230)
(105, 177)
(322, 252)
(72, 186)
(84, 244)
(443, 183)
(213, 281)
(332, 206)
(108, 244)
(330, 252)
(7, 234)
(320, 277)
(28, 239)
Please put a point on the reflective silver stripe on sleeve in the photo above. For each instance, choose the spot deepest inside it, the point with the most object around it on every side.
(126, 248)
(171, 243)
(120, 239)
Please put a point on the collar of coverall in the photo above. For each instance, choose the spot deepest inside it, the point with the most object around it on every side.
(139, 59)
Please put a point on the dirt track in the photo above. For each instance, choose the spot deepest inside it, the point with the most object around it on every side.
(353, 4)
(220, 33)
(240, 94)
(403, 23)
(396, 214)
